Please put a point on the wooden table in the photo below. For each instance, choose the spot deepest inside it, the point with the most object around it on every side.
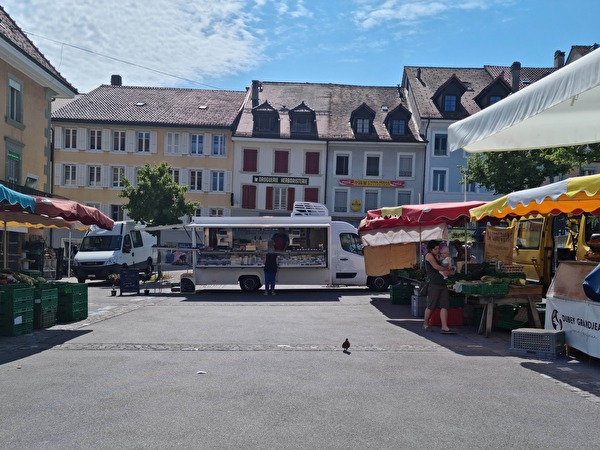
(521, 295)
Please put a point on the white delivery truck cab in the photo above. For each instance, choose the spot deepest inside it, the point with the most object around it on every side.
(103, 252)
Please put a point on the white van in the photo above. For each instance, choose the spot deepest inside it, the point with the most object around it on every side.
(103, 252)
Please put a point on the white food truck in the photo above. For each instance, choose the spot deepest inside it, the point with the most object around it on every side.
(231, 250)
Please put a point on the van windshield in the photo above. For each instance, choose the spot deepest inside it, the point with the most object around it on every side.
(100, 243)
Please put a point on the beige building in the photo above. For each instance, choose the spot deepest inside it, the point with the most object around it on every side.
(113, 131)
(28, 84)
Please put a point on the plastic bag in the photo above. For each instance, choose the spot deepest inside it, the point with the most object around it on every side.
(591, 284)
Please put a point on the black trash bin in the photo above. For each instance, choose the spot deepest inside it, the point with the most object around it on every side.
(60, 257)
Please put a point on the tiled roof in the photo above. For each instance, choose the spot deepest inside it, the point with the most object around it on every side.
(425, 81)
(11, 33)
(154, 106)
(333, 105)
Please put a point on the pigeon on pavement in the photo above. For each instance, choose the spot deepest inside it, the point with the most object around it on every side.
(346, 345)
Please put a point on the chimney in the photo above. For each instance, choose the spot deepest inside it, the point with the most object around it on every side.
(255, 90)
(559, 59)
(515, 71)
(115, 80)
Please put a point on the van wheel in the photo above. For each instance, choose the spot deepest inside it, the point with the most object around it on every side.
(249, 283)
(378, 284)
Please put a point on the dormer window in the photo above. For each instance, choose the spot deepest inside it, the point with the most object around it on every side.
(363, 126)
(302, 120)
(450, 103)
(494, 99)
(266, 120)
(398, 127)
(396, 122)
(493, 92)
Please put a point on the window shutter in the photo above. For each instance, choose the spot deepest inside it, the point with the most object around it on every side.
(185, 143)
(81, 174)
(311, 194)
(106, 140)
(207, 144)
(130, 141)
(250, 160)
(312, 163)
(130, 174)
(57, 174)
(206, 180)
(184, 177)
(249, 197)
(281, 161)
(106, 176)
(153, 141)
(291, 198)
(228, 181)
(269, 198)
(82, 143)
(58, 137)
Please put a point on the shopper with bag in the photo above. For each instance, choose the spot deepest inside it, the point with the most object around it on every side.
(437, 289)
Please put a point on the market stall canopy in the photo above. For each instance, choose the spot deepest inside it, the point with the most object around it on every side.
(560, 110)
(10, 197)
(574, 195)
(10, 219)
(71, 211)
(413, 223)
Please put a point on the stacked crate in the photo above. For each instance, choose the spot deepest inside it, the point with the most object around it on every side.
(72, 301)
(400, 294)
(16, 310)
(45, 306)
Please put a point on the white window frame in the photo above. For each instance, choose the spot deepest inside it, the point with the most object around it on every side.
(217, 181)
(348, 156)
(341, 208)
(143, 142)
(407, 192)
(280, 198)
(379, 168)
(197, 144)
(195, 175)
(117, 172)
(95, 139)
(117, 213)
(218, 145)
(440, 152)
(69, 174)
(120, 139)
(435, 173)
(94, 174)
(175, 175)
(363, 126)
(216, 212)
(402, 156)
(367, 191)
(14, 101)
(70, 140)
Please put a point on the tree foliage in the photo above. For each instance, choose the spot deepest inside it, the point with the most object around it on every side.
(157, 199)
(506, 172)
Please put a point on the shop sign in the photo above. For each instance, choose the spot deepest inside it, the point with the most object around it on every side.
(355, 205)
(279, 180)
(372, 183)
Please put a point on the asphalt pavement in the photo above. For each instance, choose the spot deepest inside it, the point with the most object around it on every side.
(226, 369)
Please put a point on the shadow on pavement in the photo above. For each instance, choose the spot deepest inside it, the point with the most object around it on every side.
(281, 295)
(17, 347)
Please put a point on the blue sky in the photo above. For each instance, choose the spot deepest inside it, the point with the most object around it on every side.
(226, 44)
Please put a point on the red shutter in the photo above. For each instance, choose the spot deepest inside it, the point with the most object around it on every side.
(269, 198)
(249, 197)
(291, 198)
(281, 161)
(250, 160)
(312, 163)
(311, 194)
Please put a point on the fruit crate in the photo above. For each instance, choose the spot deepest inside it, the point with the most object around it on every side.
(70, 313)
(15, 300)
(16, 324)
(45, 296)
(482, 288)
(546, 344)
(44, 317)
(400, 294)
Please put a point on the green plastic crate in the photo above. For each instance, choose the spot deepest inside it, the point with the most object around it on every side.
(46, 296)
(70, 314)
(16, 324)
(44, 317)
